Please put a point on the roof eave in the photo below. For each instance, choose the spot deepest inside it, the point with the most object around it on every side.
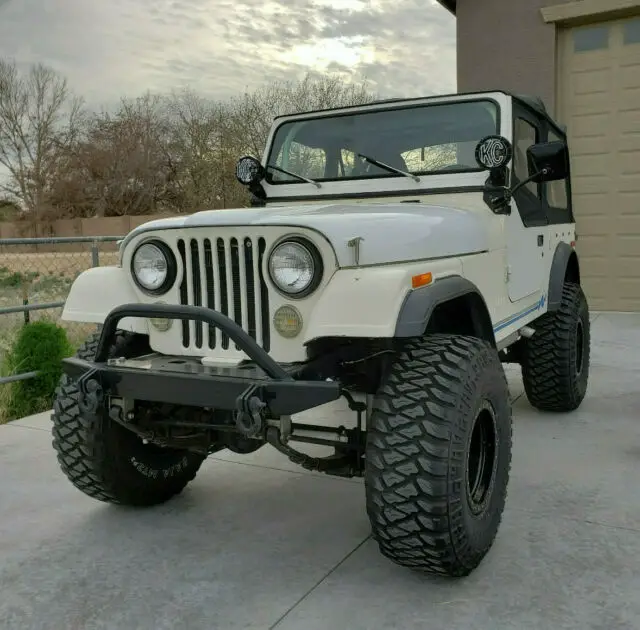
(450, 5)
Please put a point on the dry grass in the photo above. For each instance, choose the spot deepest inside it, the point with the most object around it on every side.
(42, 278)
(64, 263)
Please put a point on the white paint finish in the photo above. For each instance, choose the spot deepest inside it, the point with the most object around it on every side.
(524, 257)
(282, 349)
(486, 271)
(97, 291)
(366, 302)
(446, 233)
(392, 232)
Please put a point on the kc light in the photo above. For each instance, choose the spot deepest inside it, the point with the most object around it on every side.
(153, 267)
(249, 170)
(295, 267)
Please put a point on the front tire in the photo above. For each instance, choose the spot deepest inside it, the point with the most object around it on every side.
(555, 361)
(105, 460)
(439, 455)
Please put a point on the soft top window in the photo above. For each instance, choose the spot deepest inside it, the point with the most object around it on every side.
(423, 139)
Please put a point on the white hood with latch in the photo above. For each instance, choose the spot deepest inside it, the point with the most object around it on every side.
(390, 232)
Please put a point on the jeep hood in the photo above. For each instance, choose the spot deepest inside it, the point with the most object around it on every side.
(390, 232)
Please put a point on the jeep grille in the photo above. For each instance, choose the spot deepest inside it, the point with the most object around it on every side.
(224, 274)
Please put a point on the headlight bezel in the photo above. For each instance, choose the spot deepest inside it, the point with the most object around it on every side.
(316, 257)
(172, 267)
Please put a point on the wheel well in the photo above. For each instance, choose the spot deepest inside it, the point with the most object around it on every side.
(572, 273)
(463, 315)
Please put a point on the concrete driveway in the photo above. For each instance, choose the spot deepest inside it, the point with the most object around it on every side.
(256, 542)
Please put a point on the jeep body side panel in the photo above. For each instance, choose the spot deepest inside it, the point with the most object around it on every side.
(561, 257)
(95, 292)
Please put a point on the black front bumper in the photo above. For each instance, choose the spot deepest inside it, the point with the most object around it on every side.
(263, 386)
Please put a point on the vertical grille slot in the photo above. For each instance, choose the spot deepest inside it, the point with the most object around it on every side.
(197, 287)
(236, 282)
(264, 298)
(224, 282)
(225, 275)
(211, 285)
(184, 298)
(251, 288)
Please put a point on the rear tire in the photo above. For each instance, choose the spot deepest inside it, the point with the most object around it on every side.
(105, 460)
(555, 361)
(439, 455)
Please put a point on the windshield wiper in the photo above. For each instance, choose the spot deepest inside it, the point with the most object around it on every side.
(300, 177)
(391, 169)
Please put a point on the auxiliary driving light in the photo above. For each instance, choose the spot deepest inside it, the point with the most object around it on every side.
(161, 324)
(287, 320)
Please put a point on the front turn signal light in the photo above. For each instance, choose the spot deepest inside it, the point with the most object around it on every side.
(421, 280)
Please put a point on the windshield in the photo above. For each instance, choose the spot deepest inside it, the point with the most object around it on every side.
(418, 140)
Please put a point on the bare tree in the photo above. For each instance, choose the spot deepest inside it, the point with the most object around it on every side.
(174, 153)
(39, 119)
(197, 151)
(253, 113)
(119, 166)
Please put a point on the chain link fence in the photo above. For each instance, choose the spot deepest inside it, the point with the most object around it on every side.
(36, 275)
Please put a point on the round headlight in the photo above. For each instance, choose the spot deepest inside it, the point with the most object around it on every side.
(295, 268)
(152, 267)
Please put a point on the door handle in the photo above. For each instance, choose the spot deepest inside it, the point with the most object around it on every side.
(540, 240)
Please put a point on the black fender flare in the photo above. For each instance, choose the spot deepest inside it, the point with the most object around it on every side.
(557, 274)
(418, 306)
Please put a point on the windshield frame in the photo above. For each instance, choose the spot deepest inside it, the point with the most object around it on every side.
(410, 104)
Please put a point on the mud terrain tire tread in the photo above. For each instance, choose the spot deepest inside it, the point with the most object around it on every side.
(97, 459)
(416, 454)
(550, 380)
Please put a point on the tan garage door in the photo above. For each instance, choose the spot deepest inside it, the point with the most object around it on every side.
(599, 101)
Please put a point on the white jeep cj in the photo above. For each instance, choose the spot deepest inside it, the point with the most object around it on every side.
(395, 255)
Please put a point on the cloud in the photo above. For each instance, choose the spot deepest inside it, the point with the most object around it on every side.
(109, 48)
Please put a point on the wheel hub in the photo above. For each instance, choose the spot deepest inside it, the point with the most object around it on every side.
(481, 459)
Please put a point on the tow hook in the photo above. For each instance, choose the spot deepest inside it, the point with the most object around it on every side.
(249, 417)
(91, 393)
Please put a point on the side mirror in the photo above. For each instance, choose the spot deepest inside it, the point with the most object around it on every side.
(548, 161)
(493, 153)
(249, 171)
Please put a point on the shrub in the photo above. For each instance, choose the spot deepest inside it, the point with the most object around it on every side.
(39, 346)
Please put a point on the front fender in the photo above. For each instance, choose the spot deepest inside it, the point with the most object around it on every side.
(366, 302)
(96, 292)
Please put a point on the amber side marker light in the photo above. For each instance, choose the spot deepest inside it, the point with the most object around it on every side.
(421, 280)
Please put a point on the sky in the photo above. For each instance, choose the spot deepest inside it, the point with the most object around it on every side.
(220, 48)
